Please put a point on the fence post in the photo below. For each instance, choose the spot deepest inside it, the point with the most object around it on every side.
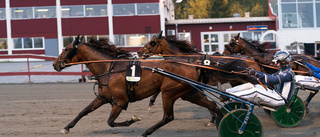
(28, 70)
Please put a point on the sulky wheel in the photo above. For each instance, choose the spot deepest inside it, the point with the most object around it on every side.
(232, 106)
(229, 125)
(286, 117)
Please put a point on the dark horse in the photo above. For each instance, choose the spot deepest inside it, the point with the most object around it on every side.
(170, 48)
(244, 47)
(113, 87)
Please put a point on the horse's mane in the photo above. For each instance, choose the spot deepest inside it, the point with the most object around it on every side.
(235, 65)
(105, 47)
(261, 48)
(183, 45)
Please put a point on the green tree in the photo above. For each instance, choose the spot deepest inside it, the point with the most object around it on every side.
(220, 8)
(181, 10)
(200, 8)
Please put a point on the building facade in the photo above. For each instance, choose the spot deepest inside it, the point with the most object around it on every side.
(46, 27)
(209, 34)
(298, 21)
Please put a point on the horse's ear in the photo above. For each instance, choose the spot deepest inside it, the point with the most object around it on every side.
(238, 36)
(77, 38)
(159, 36)
(81, 38)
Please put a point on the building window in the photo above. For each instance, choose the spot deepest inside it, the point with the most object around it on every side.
(3, 43)
(103, 36)
(22, 13)
(288, 0)
(28, 43)
(148, 8)
(124, 9)
(269, 37)
(305, 12)
(185, 36)
(96, 10)
(2, 13)
(132, 39)
(45, 12)
(119, 40)
(210, 42)
(38, 42)
(318, 13)
(289, 16)
(17, 43)
(72, 11)
(246, 35)
(256, 35)
(68, 39)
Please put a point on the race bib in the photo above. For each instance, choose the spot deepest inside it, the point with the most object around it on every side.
(133, 73)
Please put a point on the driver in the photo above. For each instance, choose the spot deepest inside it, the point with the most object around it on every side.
(283, 80)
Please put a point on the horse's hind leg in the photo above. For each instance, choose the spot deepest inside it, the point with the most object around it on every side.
(307, 101)
(152, 100)
(96, 103)
(197, 98)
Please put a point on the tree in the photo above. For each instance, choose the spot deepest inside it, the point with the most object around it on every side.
(200, 8)
(220, 8)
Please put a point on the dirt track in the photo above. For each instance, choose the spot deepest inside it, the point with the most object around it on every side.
(29, 110)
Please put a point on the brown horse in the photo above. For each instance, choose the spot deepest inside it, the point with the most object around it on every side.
(180, 48)
(264, 57)
(113, 87)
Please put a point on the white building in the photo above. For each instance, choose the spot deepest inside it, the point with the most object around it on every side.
(297, 21)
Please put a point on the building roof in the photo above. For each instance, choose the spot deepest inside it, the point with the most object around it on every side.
(218, 20)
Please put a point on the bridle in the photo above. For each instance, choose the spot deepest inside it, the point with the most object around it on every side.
(156, 45)
(232, 45)
(74, 51)
(153, 44)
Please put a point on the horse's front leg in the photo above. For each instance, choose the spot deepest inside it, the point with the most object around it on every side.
(96, 103)
(115, 112)
(167, 116)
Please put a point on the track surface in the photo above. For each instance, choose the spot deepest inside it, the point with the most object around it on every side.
(29, 110)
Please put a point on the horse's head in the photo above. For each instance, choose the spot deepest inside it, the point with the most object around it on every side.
(233, 46)
(68, 55)
(153, 47)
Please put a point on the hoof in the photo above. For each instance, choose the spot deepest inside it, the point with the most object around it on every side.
(150, 108)
(210, 124)
(135, 118)
(64, 131)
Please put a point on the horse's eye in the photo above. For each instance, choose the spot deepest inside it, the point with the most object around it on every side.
(152, 43)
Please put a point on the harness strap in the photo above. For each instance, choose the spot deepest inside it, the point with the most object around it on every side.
(113, 102)
(105, 74)
(131, 92)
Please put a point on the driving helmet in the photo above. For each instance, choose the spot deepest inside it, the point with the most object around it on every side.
(282, 57)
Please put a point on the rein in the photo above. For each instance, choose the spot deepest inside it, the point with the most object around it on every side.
(124, 60)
